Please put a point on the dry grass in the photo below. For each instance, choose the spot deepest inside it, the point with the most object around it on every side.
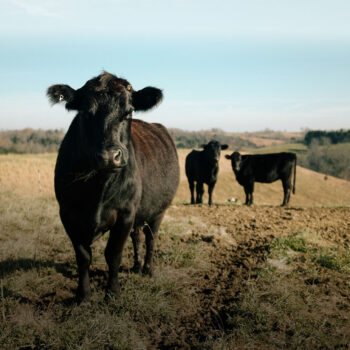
(32, 175)
(311, 188)
(207, 292)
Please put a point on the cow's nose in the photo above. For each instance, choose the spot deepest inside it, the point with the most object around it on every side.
(117, 157)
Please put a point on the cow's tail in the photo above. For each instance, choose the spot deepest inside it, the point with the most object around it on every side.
(295, 173)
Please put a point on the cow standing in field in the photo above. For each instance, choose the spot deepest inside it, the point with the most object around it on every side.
(202, 167)
(112, 173)
(265, 168)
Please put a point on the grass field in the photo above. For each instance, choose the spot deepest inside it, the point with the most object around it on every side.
(226, 276)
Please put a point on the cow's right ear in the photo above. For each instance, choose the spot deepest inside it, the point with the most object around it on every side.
(227, 156)
(203, 146)
(60, 93)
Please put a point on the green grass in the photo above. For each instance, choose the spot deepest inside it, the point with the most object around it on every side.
(279, 306)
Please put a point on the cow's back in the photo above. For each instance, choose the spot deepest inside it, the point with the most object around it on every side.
(273, 166)
(157, 161)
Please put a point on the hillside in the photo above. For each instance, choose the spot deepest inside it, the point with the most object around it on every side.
(32, 175)
(261, 277)
(311, 188)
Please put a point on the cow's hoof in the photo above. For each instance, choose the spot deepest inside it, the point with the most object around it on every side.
(83, 298)
(112, 295)
(137, 268)
(147, 270)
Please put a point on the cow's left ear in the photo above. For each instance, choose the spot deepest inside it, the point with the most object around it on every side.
(228, 156)
(224, 147)
(146, 98)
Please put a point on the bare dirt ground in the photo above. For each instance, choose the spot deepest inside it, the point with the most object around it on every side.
(239, 241)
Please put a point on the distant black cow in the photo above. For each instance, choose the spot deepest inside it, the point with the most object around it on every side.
(265, 168)
(112, 173)
(202, 167)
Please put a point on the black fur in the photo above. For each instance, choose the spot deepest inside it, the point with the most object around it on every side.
(202, 167)
(146, 98)
(112, 174)
(265, 168)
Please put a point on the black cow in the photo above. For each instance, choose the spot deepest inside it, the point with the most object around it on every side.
(202, 167)
(112, 173)
(265, 168)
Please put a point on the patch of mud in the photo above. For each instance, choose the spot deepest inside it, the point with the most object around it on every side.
(238, 243)
(218, 289)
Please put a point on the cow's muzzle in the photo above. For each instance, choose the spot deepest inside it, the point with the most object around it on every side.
(111, 160)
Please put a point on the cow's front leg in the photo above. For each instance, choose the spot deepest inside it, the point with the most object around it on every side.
(191, 184)
(200, 191)
(83, 257)
(210, 192)
(135, 236)
(113, 253)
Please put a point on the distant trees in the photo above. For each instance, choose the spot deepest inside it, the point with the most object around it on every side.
(333, 137)
(30, 141)
(328, 152)
(195, 139)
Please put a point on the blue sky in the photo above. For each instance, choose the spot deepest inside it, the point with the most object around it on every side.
(235, 65)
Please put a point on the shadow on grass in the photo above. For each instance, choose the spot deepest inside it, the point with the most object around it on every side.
(11, 265)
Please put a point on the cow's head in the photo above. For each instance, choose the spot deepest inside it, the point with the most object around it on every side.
(105, 105)
(212, 151)
(236, 160)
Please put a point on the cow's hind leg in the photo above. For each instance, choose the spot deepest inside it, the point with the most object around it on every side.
(135, 236)
(246, 191)
(287, 186)
(191, 184)
(151, 233)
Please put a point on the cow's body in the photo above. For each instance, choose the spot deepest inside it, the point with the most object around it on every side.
(130, 191)
(265, 168)
(202, 168)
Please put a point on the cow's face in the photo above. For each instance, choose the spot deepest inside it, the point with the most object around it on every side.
(236, 160)
(105, 105)
(212, 151)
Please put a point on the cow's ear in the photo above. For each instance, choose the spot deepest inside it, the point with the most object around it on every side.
(146, 98)
(204, 145)
(224, 147)
(227, 156)
(60, 93)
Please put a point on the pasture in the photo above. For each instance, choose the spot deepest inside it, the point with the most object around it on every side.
(226, 276)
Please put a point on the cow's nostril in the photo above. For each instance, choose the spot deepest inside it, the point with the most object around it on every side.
(117, 156)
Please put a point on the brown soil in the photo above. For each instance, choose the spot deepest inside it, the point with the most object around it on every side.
(237, 251)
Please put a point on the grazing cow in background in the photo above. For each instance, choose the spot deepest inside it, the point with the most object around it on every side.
(112, 173)
(202, 167)
(265, 168)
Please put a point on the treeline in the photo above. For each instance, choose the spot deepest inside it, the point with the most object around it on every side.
(328, 152)
(195, 139)
(42, 141)
(328, 159)
(324, 137)
(30, 141)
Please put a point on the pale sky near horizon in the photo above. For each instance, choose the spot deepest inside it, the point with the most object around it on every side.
(234, 65)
